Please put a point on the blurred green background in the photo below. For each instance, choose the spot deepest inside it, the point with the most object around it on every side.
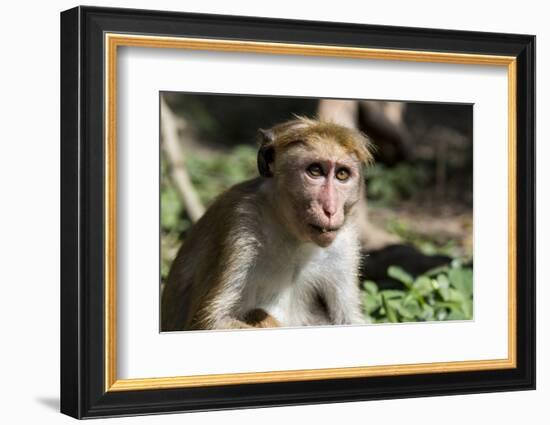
(419, 192)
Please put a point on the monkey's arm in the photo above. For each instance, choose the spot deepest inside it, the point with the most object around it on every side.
(207, 280)
(221, 306)
(206, 294)
(228, 319)
(343, 301)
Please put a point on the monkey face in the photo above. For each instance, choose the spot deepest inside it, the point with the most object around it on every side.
(320, 184)
(316, 168)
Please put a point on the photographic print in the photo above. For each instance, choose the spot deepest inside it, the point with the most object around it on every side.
(313, 197)
(292, 211)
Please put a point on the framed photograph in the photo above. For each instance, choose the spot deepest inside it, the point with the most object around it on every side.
(260, 212)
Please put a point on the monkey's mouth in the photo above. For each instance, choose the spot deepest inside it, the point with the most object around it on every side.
(320, 229)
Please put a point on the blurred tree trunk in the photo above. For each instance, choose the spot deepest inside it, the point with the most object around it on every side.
(342, 112)
(384, 123)
(175, 158)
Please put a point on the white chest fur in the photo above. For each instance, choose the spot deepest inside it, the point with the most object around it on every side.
(288, 284)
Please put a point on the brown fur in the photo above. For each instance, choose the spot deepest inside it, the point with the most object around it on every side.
(313, 132)
(207, 263)
(265, 223)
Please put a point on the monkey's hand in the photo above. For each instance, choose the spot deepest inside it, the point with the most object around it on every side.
(259, 318)
(228, 323)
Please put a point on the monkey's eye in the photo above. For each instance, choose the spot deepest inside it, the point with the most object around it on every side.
(342, 174)
(315, 170)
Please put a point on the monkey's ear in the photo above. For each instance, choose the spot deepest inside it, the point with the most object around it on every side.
(265, 136)
(266, 157)
(266, 153)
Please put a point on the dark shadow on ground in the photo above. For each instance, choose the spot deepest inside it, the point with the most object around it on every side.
(49, 402)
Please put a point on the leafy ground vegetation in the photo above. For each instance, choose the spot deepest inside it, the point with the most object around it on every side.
(443, 293)
(396, 204)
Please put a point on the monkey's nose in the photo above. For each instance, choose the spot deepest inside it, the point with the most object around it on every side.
(329, 212)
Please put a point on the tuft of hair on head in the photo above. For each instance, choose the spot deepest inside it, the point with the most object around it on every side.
(308, 130)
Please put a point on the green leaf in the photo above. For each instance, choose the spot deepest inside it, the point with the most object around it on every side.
(390, 312)
(370, 286)
(408, 310)
(455, 296)
(456, 315)
(450, 295)
(437, 270)
(422, 286)
(401, 275)
(468, 309)
(427, 312)
(371, 303)
(442, 281)
(462, 279)
(392, 293)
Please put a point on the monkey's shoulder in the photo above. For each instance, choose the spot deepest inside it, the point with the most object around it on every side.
(241, 194)
(240, 205)
(234, 214)
(227, 228)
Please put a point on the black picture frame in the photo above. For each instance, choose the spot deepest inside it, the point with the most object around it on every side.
(83, 392)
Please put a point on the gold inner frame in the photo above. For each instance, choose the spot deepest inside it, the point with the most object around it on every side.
(113, 41)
